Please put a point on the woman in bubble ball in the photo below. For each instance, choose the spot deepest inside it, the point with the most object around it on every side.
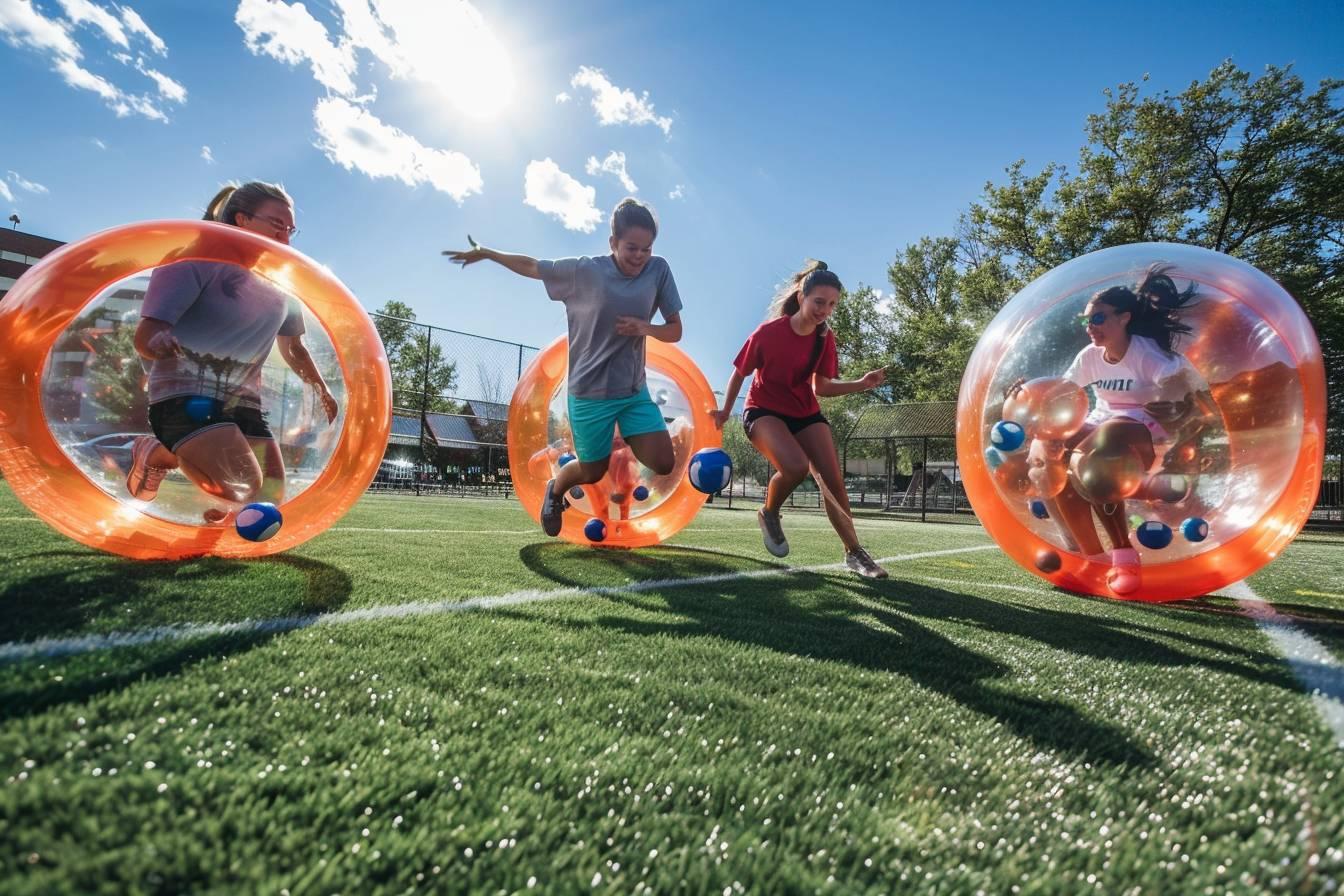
(206, 328)
(792, 360)
(1150, 404)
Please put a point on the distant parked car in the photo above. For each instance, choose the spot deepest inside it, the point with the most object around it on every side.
(110, 450)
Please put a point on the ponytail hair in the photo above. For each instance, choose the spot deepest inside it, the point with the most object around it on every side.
(789, 298)
(246, 198)
(630, 212)
(1153, 306)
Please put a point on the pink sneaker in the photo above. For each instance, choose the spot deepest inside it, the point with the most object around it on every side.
(1123, 578)
(143, 480)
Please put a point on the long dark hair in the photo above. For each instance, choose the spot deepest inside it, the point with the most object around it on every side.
(1154, 306)
(789, 298)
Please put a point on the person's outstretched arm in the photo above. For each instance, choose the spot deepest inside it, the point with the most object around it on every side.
(827, 387)
(729, 399)
(525, 265)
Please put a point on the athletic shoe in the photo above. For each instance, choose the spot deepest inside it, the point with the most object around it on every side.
(1123, 578)
(552, 510)
(861, 562)
(775, 542)
(143, 480)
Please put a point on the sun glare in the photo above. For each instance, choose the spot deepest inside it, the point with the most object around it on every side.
(452, 49)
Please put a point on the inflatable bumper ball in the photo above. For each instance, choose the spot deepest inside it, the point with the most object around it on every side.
(1209, 485)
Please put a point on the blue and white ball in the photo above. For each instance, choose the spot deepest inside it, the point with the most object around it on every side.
(1195, 529)
(1038, 509)
(564, 459)
(711, 470)
(1007, 435)
(259, 521)
(595, 530)
(1154, 534)
(641, 493)
(993, 457)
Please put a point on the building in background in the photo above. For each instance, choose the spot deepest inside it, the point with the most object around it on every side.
(18, 252)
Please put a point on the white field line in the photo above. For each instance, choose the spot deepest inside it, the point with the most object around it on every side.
(1320, 673)
(57, 647)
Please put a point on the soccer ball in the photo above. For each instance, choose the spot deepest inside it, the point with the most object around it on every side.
(259, 521)
(711, 470)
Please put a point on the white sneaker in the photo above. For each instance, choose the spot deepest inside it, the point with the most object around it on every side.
(861, 562)
(773, 532)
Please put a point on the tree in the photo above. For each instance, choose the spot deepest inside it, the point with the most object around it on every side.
(1250, 167)
(421, 377)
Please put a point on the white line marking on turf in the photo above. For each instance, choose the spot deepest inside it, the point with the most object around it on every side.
(1319, 672)
(57, 647)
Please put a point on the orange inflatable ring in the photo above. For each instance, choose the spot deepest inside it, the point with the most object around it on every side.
(1246, 484)
(633, 507)
(48, 298)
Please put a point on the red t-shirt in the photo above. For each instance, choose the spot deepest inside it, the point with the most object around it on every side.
(779, 358)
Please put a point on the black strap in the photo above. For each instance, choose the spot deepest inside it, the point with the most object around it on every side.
(814, 361)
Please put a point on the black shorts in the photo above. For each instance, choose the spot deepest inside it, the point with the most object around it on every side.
(795, 424)
(173, 419)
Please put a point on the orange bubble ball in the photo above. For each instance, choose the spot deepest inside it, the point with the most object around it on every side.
(1252, 468)
(79, 489)
(539, 436)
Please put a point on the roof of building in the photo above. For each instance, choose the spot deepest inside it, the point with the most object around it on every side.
(934, 419)
(489, 410)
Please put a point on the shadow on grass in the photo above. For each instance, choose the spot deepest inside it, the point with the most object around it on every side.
(77, 590)
(31, 688)
(814, 615)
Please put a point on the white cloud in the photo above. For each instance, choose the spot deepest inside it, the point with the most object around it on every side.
(23, 26)
(614, 163)
(168, 88)
(82, 12)
(354, 138)
(98, 143)
(289, 33)
(562, 97)
(616, 105)
(207, 154)
(136, 25)
(5, 193)
(677, 192)
(550, 190)
(24, 184)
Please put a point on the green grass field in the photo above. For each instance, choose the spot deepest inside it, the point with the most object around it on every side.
(432, 697)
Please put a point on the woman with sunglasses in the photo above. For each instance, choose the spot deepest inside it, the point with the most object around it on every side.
(792, 359)
(206, 328)
(1150, 403)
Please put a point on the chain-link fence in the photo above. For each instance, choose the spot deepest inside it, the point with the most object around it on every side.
(450, 397)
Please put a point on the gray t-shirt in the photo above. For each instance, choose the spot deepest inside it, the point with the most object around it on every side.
(226, 319)
(603, 364)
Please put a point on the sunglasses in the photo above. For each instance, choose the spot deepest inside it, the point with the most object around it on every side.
(1095, 319)
(280, 226)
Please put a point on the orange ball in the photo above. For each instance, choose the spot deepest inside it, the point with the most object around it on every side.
(534, 451)
(91, 505)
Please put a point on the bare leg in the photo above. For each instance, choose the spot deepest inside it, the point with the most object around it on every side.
(654, 450)
(820, 448)
(222, 463)
(772, 438)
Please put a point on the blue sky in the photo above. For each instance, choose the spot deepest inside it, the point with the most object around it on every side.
(763, 133)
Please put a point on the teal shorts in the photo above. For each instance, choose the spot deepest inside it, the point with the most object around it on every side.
(593, 422)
